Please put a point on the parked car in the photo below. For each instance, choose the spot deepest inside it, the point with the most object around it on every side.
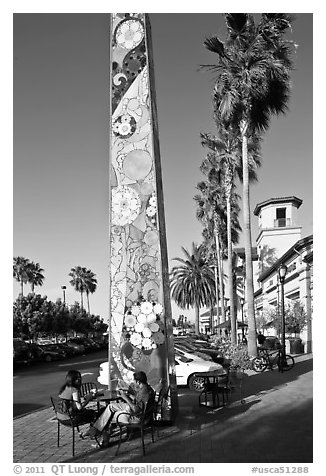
(47, 352)
(79, 348)
(69, 349)
(190, 353)
(56, 348)
(21, 351)
(188, 371)
(203, 352)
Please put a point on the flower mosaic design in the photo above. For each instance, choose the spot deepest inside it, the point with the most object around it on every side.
(124, 126)
(146, 272)
(125, 205)
(129, 34)
(152, 209)
(142, 325)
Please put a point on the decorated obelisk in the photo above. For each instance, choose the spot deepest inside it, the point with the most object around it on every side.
(140, 322)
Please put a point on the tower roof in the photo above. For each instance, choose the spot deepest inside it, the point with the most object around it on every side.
(295, 200)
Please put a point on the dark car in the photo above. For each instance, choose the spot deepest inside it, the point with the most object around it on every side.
(21, 351)
(84, 342)
(194, 346)
(56, 348)
(68, 349)
(77, 346)
(47, 352)
(96, 344)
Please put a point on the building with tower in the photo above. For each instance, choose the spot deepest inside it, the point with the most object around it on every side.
(279, 242)
(278, 224)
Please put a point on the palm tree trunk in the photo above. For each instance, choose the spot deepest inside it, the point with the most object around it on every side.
(87, 294)
(230, 271)
(22, 287)
(197, 319)
(217, 295)
(81, 300)
(220, 272)
(252, 345)
(211, 319)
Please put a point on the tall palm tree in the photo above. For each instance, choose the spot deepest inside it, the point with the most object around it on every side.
(192, 282)
(225, 165)
(252, 83)
(78, 281)
(35, 275)
(212, 214)
(20, 271)
(90, 285)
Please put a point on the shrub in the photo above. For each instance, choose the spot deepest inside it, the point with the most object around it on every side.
(236, 356)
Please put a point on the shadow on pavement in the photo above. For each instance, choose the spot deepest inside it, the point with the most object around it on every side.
(239, 433)
(22, 409)
(270, 380)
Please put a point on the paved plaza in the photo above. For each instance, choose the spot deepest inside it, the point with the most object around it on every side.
(272, 425)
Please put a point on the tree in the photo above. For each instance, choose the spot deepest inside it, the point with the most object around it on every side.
(90, 285)
(267, 258)
(295, 317)
(223, 166)
(83, 280)
(32, 315)
(35, 275)
(211, 212)
(78, 281)
(192, 283)
(252, 83)
(20, 271)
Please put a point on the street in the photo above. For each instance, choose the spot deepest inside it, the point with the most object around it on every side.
(33, 385)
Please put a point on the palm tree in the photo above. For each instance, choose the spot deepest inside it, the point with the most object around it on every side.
(252, 83)
(212, 214)
(35, 275)
(192, 283)
(20, 271)
(78, 281)
(225, 165)
(90, 285)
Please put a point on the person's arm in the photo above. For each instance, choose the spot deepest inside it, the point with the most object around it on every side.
(128, 400)
(76, 398)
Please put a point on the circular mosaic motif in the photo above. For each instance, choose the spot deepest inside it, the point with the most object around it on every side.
(124, 126)
(125, 205)
(137, 164)
(129, 34)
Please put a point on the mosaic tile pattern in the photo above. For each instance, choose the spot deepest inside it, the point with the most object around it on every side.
(140, 334)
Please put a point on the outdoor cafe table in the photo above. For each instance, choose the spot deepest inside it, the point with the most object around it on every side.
(107, 396)
(210, 385)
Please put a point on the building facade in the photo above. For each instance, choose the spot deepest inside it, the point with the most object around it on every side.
(298, 286)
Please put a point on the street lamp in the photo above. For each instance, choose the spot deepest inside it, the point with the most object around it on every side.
(281, 274)
(64, 294)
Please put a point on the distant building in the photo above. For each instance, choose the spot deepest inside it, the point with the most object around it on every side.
(279, 242)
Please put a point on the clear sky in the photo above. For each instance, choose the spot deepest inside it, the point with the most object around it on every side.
(61, 141)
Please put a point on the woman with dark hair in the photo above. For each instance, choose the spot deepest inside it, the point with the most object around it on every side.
(70, 392)
(131, 408)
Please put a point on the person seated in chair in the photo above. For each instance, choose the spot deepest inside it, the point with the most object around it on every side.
(131, 408)
(70, 392)
(261, 339)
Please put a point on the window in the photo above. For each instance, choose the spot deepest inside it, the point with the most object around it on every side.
(280, 217)
(280, 213)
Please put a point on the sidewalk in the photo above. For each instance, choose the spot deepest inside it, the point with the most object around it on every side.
(274, 424)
